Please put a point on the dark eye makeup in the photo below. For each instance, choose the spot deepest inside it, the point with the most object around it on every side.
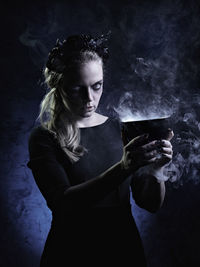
(96, 87)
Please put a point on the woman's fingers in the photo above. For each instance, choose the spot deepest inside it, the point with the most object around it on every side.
(166, 143)
(140, 159)
(150, 155)
(149, 146)
(141, 156)
(140, 153)
(159, 145)
(141, 141)
(170, 134)
(167, 151)
(153, 148)
(166, 156)
(137, 141)
(146, 162)
(165, 159)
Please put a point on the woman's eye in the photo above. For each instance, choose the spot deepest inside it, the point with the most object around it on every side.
(74, 90)
(97, 86)
(79, 89)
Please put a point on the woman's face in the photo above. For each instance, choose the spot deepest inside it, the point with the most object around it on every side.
(85, 87)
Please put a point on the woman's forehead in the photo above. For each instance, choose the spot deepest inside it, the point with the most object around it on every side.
(87, 73)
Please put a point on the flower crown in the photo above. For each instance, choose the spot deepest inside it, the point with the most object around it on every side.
(61, 54)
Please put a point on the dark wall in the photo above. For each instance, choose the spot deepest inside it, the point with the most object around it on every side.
(153, 70)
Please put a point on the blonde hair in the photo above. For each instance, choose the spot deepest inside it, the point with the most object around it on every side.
(55, 114)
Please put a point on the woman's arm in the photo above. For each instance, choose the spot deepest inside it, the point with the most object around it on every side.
(148, 183)
(98, 187)
(148, 191)
(87, 193)
(53, 181)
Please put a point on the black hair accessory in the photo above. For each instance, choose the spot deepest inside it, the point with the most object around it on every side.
(61, 54)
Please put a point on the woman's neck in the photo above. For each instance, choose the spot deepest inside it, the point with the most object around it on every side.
(93, 120)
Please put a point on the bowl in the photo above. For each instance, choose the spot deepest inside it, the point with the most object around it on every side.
(159, 128)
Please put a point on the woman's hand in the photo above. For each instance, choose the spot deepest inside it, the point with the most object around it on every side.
(165, 153)
(138, 152)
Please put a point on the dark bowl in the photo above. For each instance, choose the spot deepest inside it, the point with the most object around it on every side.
(157, 129)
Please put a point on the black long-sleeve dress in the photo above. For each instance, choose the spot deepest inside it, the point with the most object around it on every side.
(98, 233)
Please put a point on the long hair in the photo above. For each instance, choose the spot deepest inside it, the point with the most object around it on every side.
(55, 114)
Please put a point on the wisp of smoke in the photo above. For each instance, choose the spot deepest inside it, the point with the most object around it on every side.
(134, 105)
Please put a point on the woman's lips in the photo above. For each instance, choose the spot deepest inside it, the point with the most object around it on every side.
(88, 108)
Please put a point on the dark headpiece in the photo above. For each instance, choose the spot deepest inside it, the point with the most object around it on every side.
(61, 54)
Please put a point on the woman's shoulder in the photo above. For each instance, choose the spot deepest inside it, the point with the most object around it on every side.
(41, 146)
(112, 122)
(40, 134)
(38, 130)
(115, 120)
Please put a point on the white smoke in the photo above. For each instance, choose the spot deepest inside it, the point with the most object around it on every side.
(155, 103)
(129, 108)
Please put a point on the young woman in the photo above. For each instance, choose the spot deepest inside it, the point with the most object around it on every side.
(82, 168)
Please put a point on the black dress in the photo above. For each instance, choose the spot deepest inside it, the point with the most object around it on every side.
(95, 234)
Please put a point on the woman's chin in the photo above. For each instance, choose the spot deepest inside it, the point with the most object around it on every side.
(86, 113)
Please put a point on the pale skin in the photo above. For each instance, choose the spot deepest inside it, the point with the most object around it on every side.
(85, 90)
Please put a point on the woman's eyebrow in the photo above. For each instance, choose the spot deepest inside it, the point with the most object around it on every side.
(92, 84)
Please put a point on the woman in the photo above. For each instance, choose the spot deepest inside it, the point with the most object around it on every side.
(82, 168)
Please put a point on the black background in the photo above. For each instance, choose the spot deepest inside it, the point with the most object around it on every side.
(153, 69)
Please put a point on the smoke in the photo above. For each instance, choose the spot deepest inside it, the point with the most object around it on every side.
(133, 107)
(161, 78)
(40, 31)
(150, 104)
(147, 99)
(187, 147)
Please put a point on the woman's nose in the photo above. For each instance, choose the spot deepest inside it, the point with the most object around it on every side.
(88, 93)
